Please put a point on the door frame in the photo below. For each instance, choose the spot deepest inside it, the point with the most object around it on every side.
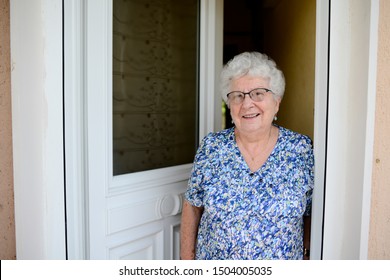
(352, 62)
(39, 109)
(37, 129)
(320, 124)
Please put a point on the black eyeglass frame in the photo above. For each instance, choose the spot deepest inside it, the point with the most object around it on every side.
(249, 93)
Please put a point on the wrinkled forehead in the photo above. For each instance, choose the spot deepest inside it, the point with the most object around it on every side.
(247, 83)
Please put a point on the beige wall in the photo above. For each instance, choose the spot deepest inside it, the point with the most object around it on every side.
(379, 236)
(7, 222)
(291, 43)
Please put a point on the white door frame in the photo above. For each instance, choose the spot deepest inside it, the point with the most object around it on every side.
(37, 128)
(352, 58)
(320, 123)
(37, 123)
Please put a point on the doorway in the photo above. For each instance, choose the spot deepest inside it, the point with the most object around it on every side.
(295, 34)
(97, 184)
(285, 31)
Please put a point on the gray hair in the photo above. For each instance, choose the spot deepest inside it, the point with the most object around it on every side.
(253, 64)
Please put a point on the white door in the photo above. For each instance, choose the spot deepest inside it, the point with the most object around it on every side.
(126, 173)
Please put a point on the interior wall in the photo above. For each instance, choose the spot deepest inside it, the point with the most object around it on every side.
(284, 30)
(289, 34)
(244, 35)
(7, 220)
(379, 241)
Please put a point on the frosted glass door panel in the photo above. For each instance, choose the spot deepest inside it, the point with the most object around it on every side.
(155, 83)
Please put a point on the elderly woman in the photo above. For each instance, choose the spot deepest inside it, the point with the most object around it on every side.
(251, 185)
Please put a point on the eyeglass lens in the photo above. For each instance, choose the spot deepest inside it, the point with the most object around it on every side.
(256, 95)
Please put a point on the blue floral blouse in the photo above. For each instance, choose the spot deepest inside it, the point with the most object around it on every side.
(251, 215)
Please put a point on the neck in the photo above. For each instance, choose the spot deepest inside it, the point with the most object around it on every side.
(254, 138)
(255, 148)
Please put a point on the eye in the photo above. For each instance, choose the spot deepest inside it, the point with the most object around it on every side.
(236, 96)
(258, 93)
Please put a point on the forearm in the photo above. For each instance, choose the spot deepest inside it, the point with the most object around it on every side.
(189, 228)
(306, 234)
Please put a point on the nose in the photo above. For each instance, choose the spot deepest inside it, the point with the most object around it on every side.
(247, 102)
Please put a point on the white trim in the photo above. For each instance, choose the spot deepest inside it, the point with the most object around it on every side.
(210, 64)
(77, 226)
(370, 126)
(349, 137)
(99, 41)
(335, 220)
(149, 179)
(320, 123)
(37, 127)
(218, 63)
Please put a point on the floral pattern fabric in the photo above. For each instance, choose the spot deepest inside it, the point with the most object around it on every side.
(251, 215)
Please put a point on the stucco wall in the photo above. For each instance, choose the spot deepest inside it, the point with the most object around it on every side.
(379, 236)
(7, 223)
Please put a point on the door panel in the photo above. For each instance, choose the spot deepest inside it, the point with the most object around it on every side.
(145, 222)
(135, 214)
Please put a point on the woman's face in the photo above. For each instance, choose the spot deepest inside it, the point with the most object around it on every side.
(251, 116)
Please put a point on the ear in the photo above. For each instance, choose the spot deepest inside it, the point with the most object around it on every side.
(277, 104)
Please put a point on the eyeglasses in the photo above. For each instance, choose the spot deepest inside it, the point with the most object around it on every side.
(257, 95)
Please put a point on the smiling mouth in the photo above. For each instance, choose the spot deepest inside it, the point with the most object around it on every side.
(251, 116)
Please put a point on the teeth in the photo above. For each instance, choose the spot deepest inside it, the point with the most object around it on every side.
(251, 116)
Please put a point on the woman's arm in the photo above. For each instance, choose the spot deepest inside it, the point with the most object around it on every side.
(189, 229)
(306, 237)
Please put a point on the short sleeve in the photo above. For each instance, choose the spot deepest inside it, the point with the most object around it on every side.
(195, 192)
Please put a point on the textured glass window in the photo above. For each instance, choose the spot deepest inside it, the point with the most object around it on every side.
(155, 83)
